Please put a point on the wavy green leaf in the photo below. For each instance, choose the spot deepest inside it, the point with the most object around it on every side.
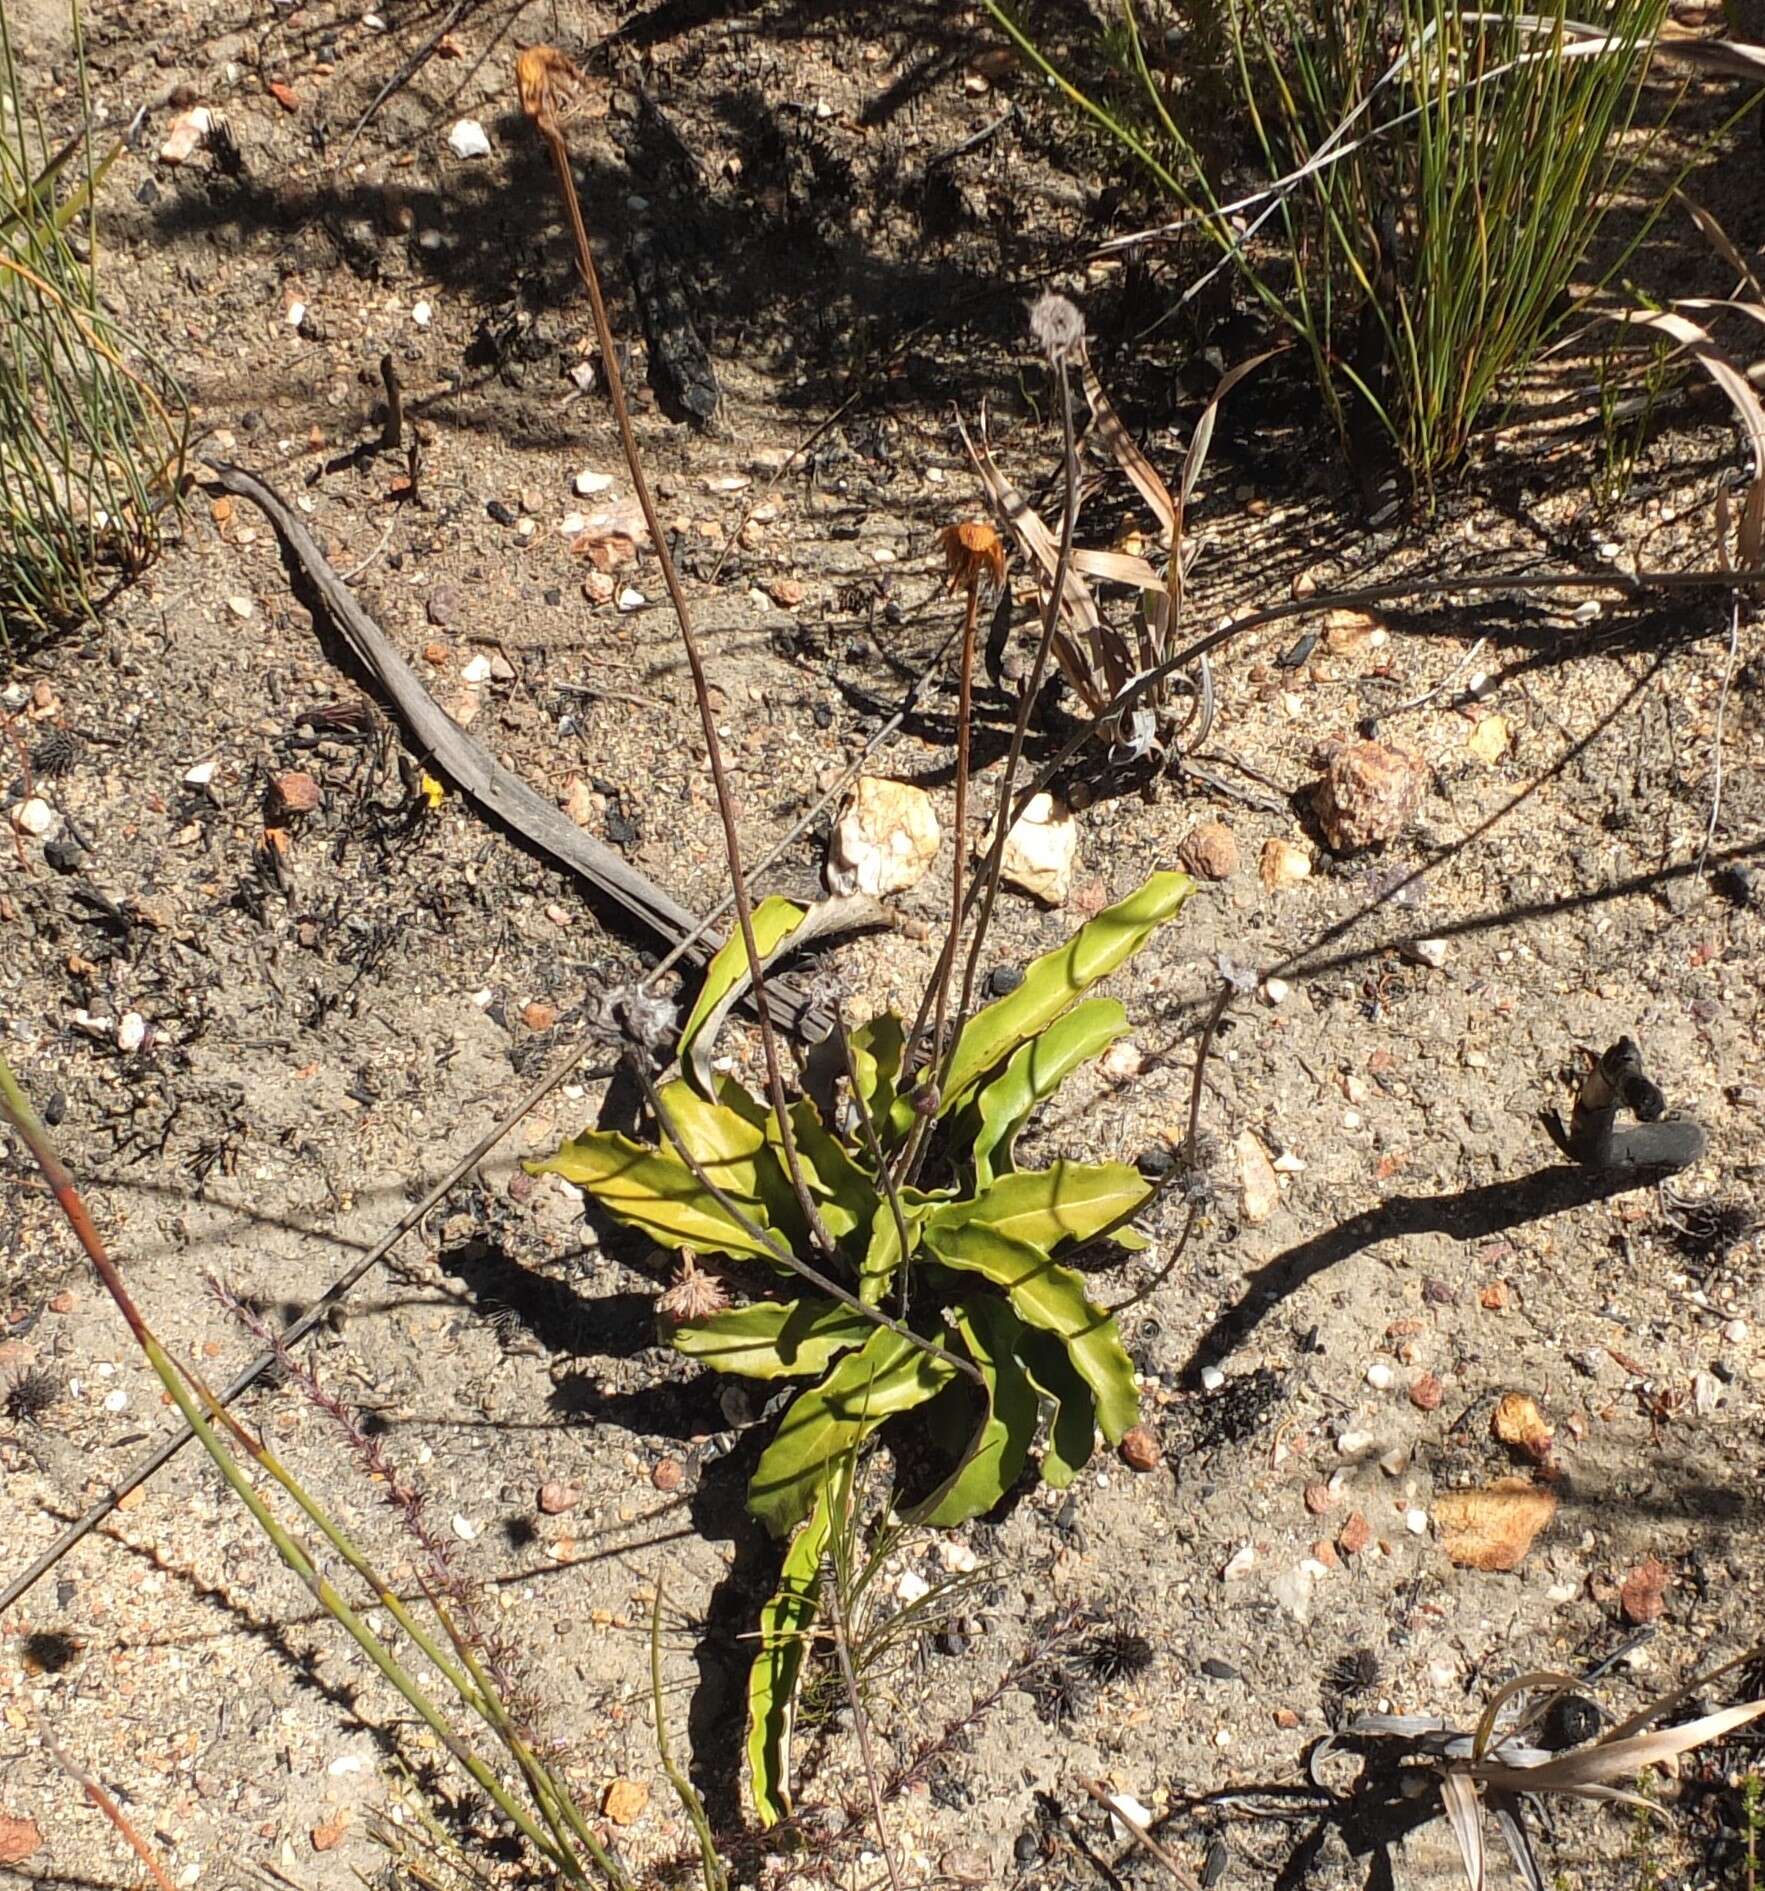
(1072, 1432)
(1052, 1298)
(889, 1375)
(877, 1050)
(653, 1191)
(1058, 980)
(722, 1141)
(1001, 1443)
(785, 1623)
(845, 1195)
(1069, 1201)
(1036, 1070)
(773, 1339)
(775, 919)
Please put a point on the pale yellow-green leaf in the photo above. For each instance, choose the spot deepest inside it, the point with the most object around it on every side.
(773, 1339)
(651, 1191)
(1058, 980)
(889, 1375)
(1049, 1207)
(785, 1622)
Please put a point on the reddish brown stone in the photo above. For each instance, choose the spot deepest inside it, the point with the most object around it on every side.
(1140, 1450)
(1368, 794)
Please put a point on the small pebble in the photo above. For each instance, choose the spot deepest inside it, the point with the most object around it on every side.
(34, 817)
(1212, 1378)
(1416, 1521)
(131, 1032)
(1003, 979)
(1140, 1450)
(667, 1475)
(241, 607)
(468, 140)
(1355, 1535)
(1379, 1376)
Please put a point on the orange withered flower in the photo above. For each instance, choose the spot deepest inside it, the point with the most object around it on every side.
(972, 552)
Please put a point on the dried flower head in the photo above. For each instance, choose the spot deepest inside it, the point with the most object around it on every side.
(549, 84)
(1114, 1654)
(1057, 328)
(55, 753)
(972, 554)
(692, 1294)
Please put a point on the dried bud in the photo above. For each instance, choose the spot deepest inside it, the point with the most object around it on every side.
(972, 552)
(1057, 328)
(926, 1100)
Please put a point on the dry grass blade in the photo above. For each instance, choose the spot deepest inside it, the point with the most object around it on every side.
(1721, 366)
(1128, 456)
(1078, 609)
(1465, 1817)
(1552, 1685)
(1727, 58)
(1719, 240)
(1599, 1766)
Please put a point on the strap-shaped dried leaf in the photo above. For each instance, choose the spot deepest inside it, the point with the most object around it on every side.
(1719, 365)
(1127, 454)
(1460, 1799)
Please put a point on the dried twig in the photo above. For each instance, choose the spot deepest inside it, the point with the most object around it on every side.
(860, 1726)
(105, 1804)
(539, 70)
(1139, 1834)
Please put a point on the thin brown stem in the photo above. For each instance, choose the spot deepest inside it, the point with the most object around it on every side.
(1020, 728)
(861, 1727)
(545, 123)
(105, 1804)
(964, 707)
(987, 885)
(1139, 1834)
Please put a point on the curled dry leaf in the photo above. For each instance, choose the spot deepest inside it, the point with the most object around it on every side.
(1518, 1423)
(1257, 1178)
(1494, 1527)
